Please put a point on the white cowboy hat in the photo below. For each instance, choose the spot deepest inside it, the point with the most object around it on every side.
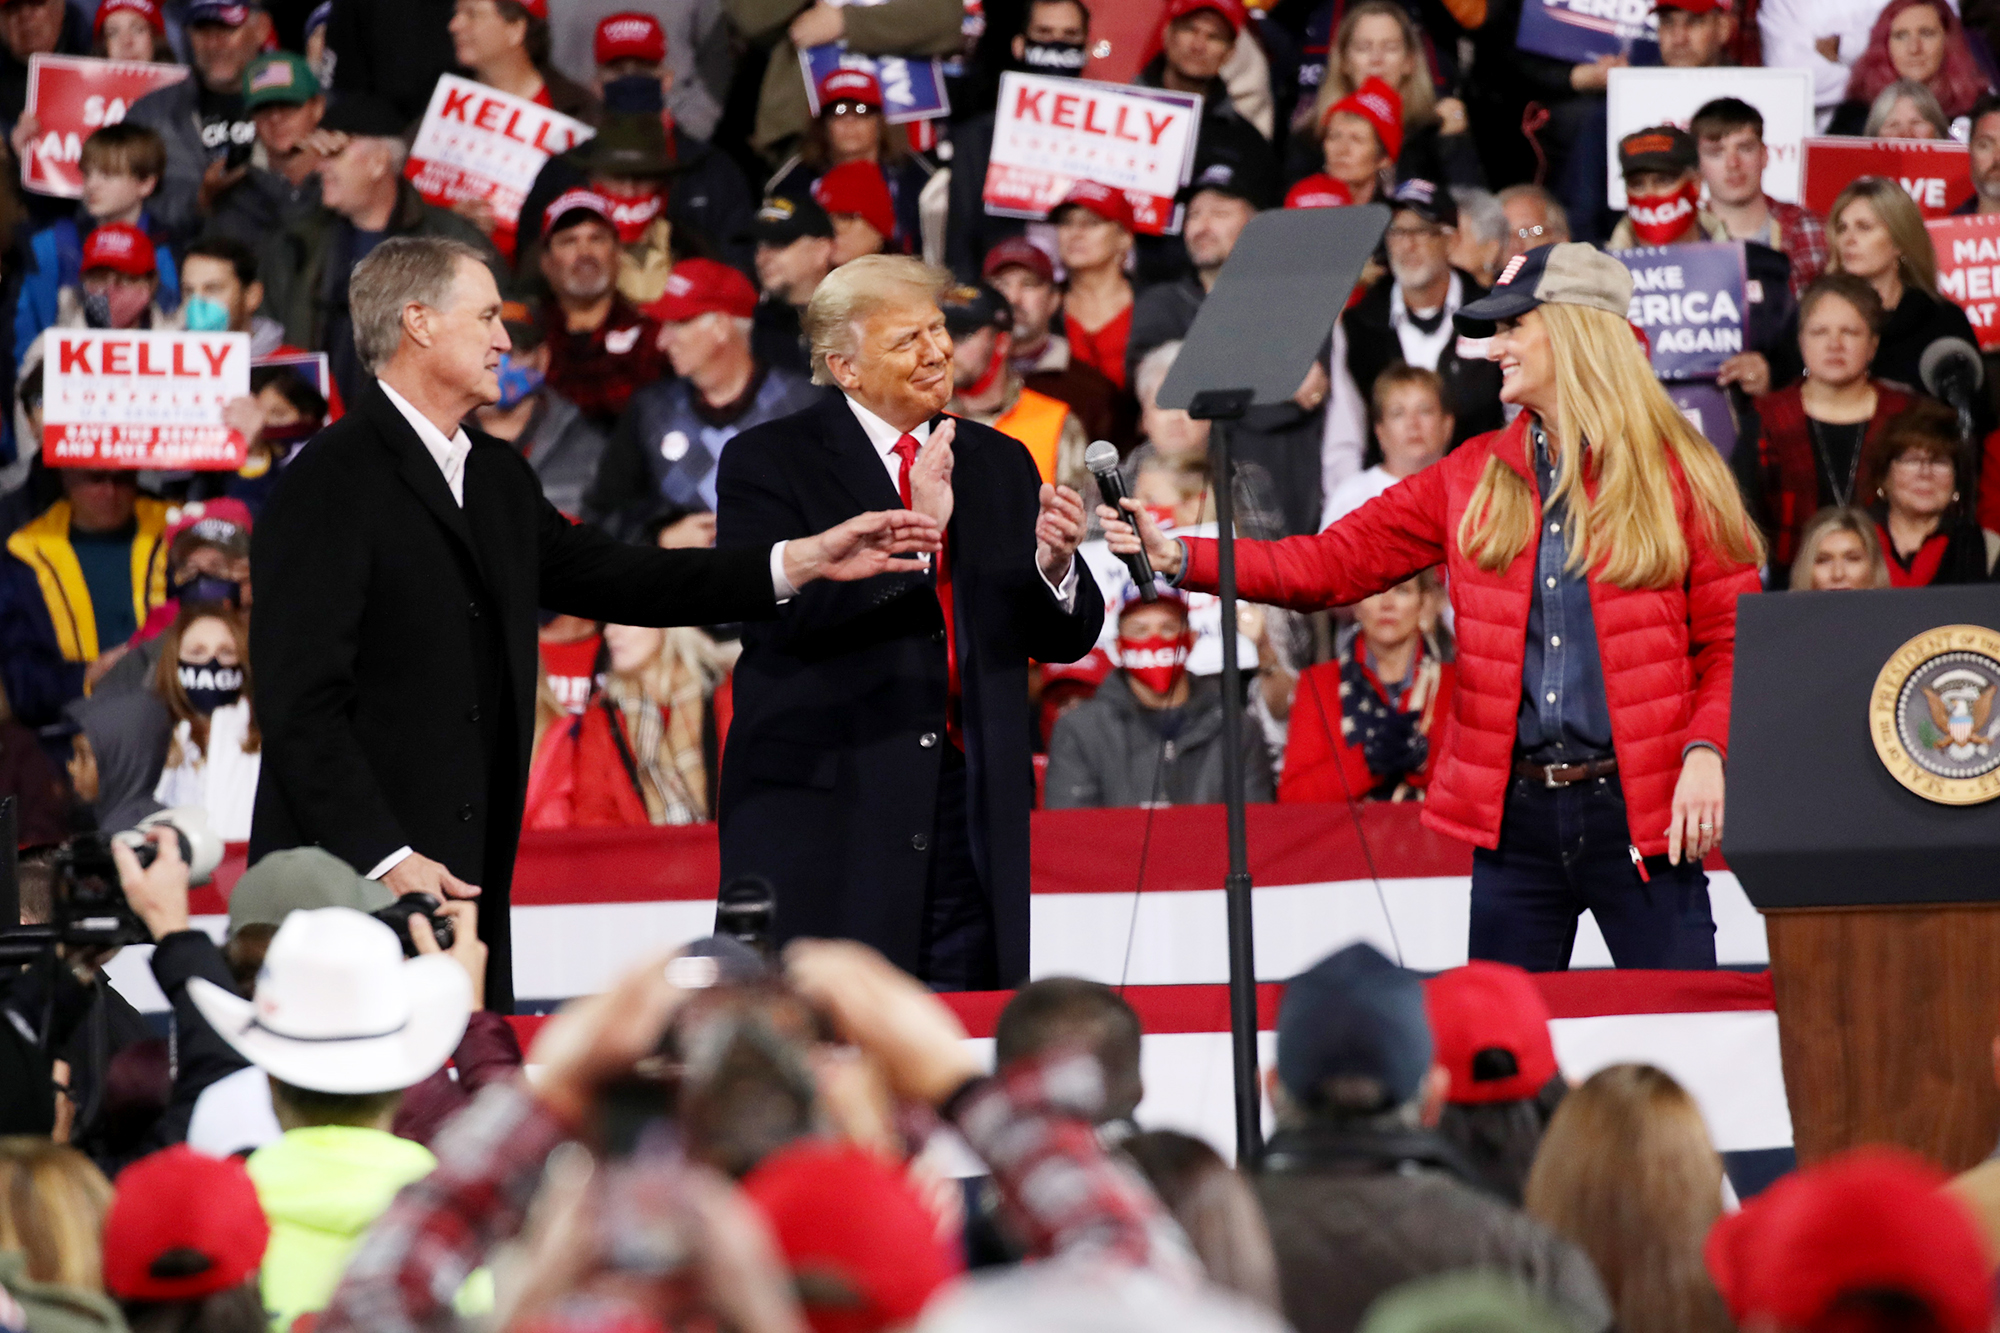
(339, 1009)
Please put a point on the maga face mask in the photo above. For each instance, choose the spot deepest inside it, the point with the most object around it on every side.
(1157, 662)
(517, 381)
(210, 686)
(1659, 218)
(633, 216)
(1060, 58)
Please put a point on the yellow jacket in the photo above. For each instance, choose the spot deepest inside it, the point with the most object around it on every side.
(42, 544)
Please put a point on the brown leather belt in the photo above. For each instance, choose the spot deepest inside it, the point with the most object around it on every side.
(1564, 775)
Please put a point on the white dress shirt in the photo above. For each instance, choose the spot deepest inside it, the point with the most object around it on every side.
(883, 437)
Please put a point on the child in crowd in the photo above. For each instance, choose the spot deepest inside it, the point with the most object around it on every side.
(121, 168)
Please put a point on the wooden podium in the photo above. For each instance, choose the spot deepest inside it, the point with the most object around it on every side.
(1882, 906)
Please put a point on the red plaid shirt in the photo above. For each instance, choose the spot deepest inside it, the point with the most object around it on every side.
(1802, 237)
(600, 370)
(1059, 1191)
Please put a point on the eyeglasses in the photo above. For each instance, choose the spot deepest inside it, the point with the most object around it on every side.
(851, 109)
(1923, 463)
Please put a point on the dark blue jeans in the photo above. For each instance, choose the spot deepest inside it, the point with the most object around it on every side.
(1565, 850)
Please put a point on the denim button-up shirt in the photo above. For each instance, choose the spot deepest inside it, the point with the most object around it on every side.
(1564, 717)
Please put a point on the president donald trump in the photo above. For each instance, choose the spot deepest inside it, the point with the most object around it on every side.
(877, 771)
(400, 564)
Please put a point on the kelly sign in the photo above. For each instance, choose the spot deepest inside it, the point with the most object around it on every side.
(1968, 255)
(911, 89)
(72, 96)
(477, 142)
(136, 399)
(1637, 99)
(1580, 31)
(1936, 173)
(1688, 299)
(1050, 133)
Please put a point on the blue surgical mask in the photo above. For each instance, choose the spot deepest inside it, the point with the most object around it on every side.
(517, 381)
(206, 316)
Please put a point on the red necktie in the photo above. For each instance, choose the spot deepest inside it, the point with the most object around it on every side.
(905, 449)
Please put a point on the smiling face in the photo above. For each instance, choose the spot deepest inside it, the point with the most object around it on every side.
(1916, 43)
(1862, 244)
(1840, 562)
(1836, 342)
(900, 368)
(1527, 363)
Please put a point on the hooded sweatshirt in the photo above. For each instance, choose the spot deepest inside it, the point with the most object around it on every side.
(128, 734)
(321, 1187)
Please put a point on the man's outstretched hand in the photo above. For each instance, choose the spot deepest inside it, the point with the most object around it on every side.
(862, 547)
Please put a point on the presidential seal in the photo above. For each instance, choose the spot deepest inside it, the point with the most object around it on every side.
(1933, 717)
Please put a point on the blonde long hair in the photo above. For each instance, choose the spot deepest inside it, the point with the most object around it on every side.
(1418, 93)
(1625, 512)
(1627, 1173)
(681, 677)
(52, 1207)
(1917, 265)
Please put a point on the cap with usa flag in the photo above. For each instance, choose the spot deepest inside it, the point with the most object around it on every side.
(1567, 273)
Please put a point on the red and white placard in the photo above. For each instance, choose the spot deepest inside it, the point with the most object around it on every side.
(1968, 258)
(477, 142)
(137, 399)
(1049, 133)
(72, 97)
(1936, 173)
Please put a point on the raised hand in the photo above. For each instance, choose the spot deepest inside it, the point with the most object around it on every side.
(1058, 529)
(1123, 539)
(930, 478)
(863, 546)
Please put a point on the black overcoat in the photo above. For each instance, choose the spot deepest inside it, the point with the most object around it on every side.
(829, 777)
(393, 646)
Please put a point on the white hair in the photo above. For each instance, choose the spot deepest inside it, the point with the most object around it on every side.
(1151, 372)
(856, 290)
(1479, 213)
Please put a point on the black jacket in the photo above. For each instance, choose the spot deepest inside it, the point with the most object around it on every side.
(393, 48)
(1471, 387)
(396, 661)
(829, 779)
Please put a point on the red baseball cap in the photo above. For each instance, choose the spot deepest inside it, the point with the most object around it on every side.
(121, 247)
(182, 1225)
(1873, 1219)
(1018, 252)
(224, 522)
(1319, 190)
(144, 8)
(1378, 104)
(1490, 1026)
(698, 287)
(630, 36)
(576, 201)
(850, 85)
(1105, 202)
(1092, 669)
(858, 188)
(1232, 12)
(850, 1221)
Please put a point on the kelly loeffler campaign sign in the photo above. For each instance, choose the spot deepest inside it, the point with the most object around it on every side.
(477, 142)
(137, 399)
(1049, 133)
(1935, 173)
(72, 97)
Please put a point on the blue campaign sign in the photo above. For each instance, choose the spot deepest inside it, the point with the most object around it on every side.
(1583, 30)
(911, 89)
(1688, 300)
(1707, 409)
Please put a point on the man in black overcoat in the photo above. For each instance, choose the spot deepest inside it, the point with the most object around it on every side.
(399, 566)
(877, 771)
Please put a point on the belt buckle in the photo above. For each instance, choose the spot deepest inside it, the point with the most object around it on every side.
(1549, 777)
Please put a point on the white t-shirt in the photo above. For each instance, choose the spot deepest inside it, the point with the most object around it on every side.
(1356, 491)
(222, 782)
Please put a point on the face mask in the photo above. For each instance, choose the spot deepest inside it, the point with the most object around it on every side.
(1659, 218)
(1163, 515)
(206, 316)
(208, 588)
(209, 687)
(118, 308)
(517, 381)
(1157, 663)
(633, 216)
(1065, 59)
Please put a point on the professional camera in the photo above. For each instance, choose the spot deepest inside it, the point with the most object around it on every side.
(746, 911)
(397, 917)
(87, 904)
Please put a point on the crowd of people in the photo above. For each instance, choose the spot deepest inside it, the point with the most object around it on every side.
(657, 275)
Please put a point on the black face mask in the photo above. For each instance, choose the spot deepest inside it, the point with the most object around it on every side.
(1065, 59)
(208, 588)
(209, 686)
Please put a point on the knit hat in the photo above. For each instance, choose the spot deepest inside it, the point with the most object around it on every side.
(1491, 1026)
(120, 247)
(1378, 104)
(181, 1226)
(858, 188)
(630, 35)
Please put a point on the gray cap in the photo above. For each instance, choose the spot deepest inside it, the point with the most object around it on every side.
(301, 879)
(1565, 273)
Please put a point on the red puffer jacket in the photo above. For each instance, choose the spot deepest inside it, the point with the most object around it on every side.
(1666, 653)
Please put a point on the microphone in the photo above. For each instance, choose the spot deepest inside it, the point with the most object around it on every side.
(1102, 460)
(1951, 371)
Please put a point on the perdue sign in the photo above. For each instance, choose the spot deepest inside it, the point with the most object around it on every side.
(139, 399)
